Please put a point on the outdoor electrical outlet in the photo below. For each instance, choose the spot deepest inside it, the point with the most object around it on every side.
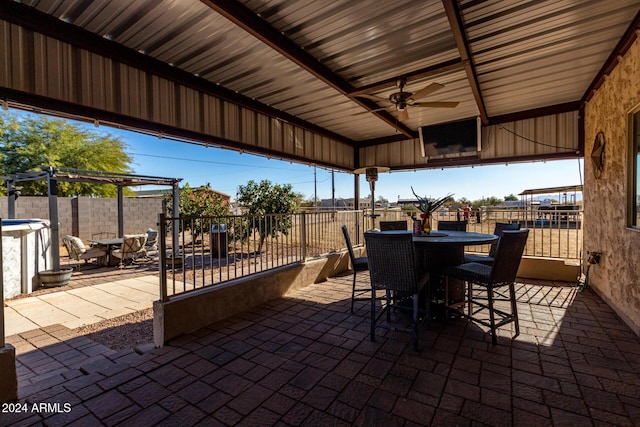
(594, 257)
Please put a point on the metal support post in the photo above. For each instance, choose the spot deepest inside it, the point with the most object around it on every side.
(162, 268)
(52, 186)
(303, 236)
(120, 212)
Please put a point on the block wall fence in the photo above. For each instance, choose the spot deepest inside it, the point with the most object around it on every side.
(85, 216)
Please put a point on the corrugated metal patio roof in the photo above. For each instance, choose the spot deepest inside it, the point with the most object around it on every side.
(307, 63)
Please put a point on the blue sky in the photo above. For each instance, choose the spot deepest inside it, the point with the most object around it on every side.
(225, 170)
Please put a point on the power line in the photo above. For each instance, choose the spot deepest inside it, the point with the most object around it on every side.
(207, 161)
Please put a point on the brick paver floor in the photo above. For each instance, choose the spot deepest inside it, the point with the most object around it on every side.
(304, 360)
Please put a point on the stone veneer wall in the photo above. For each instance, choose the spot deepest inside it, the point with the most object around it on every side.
(617, 278)
(84, 216)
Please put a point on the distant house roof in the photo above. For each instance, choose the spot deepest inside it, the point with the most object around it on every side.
(408, 202)
(549, 190)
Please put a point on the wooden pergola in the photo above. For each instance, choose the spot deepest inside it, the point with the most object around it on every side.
(54, 174)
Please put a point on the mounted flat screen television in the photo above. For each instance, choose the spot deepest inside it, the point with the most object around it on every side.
(450, 138)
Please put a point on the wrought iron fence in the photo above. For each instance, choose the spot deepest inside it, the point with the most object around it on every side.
(199, 252)
(555, 233)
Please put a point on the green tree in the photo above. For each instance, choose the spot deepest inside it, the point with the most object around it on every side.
(305, 202)
(197, 203)
(511, 198)
(264, 198)
(31, 141)
(460, 203)
(493, 201)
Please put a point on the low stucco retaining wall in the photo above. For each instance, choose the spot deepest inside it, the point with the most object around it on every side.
(189, 312)
(549, 269)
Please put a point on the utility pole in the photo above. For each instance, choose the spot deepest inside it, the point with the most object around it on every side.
(315, 189)
(333, 190)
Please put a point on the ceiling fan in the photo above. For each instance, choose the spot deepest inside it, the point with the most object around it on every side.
(401, 100)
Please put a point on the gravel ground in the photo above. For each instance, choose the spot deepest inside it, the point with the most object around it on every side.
(122, 332)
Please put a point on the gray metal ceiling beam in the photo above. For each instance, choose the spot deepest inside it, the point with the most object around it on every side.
(455, 22)
(253, 24)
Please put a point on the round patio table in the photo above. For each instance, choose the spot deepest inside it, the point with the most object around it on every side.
(108, 245)
(457, 239)
(441, 249)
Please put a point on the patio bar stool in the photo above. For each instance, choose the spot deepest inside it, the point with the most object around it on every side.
(393, 267)
(452, 225)
(393, 225)
(498, 231)
(484, 285)
(357, 264)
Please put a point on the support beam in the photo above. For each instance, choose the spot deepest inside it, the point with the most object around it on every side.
(82, 112)
(455, 22)
(625, 43)
(176, 225)
(52, 186)
(356, 206)
(253, 24)
(8, 374)
(11, 199)
(423, 73)
(1, 292)
(120, 212)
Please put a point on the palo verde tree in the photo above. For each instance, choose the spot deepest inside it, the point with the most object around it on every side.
(28, 142)
(269, 206)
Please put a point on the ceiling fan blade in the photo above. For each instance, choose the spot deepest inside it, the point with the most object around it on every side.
(403, 115)
(373, 97)
(428, 89)
(436, 104)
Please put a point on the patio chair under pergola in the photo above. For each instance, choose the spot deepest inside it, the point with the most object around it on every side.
(55, 174)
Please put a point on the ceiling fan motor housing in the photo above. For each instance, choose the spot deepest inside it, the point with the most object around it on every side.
(399, 99)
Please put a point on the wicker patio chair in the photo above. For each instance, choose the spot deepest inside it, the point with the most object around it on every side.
(393, 225)
(452, 225)
(357, 264)
(131, 250)
(393, 268)
(498, 231)
(152, 240)
(77, 251)
(484, 283)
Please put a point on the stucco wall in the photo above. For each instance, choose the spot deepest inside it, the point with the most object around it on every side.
(617, 278)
